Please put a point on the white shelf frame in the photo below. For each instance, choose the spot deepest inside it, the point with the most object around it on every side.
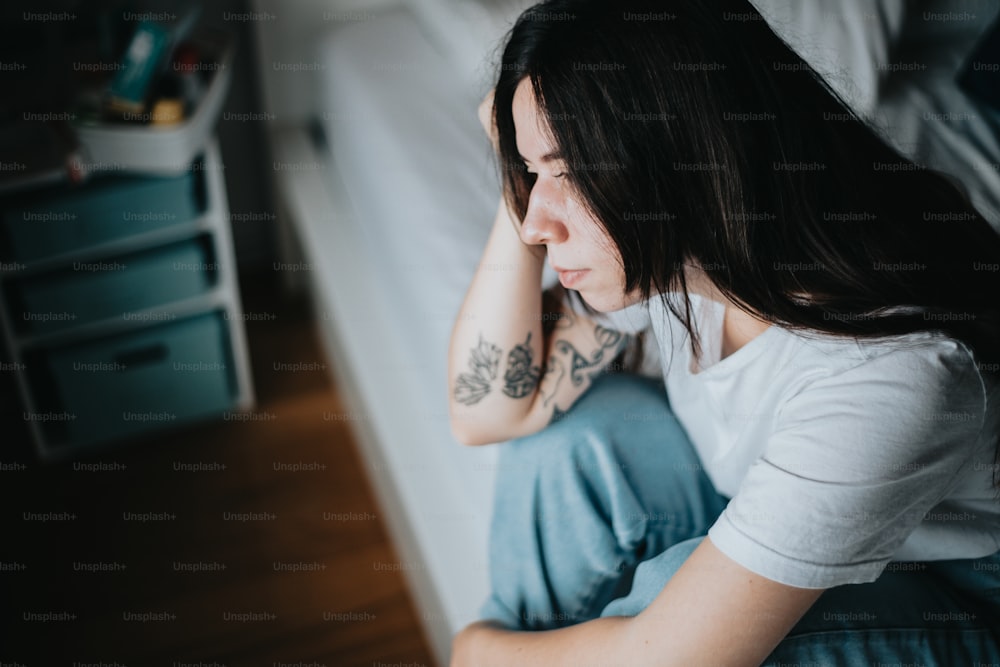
(223, 297)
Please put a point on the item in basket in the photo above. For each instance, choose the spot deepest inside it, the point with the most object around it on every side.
(127, 93)
(187, 66)
(167, 111)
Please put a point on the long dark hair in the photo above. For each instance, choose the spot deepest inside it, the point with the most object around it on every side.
(695, 134)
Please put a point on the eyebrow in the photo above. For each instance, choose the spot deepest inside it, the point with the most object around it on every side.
(548, 157)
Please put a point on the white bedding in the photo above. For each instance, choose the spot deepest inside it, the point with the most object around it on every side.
(863, 49)
(418, 173)
(426, 213)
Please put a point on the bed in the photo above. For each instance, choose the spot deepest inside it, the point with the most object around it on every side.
(388, 191)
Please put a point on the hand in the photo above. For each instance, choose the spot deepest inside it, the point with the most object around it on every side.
(505, 218)
(486, 118)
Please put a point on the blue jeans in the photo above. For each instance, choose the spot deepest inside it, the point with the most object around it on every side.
(596, 512)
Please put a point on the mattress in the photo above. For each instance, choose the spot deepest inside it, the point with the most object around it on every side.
(421, 189)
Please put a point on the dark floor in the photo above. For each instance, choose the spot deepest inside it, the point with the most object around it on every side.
(300, 586)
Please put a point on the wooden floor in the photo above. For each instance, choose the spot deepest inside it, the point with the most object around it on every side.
(270, 552)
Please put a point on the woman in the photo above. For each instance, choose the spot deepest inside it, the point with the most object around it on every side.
(820, 487)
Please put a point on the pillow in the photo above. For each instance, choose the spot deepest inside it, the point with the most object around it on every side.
(845, 41)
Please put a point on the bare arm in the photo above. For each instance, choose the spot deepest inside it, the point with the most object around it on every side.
(713, 611)
(513, 363)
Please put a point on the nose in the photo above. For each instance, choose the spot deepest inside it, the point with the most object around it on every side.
(544, 221)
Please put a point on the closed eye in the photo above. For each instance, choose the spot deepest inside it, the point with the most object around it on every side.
(560, 174)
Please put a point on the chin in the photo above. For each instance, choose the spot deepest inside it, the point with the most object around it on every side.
(608, 303)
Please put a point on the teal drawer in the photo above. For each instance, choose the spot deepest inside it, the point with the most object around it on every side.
(110, 287)
(135, 383)
(113, 207)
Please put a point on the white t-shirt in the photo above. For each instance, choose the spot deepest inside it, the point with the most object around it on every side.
(839, 455)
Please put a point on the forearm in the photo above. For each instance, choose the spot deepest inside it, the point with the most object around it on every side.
(603, 642)
(712, 611)
(495, 357)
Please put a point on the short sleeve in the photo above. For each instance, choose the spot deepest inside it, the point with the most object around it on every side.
(855, 461)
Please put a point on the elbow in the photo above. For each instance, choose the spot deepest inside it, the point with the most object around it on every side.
(467, 434)
(474, 430)
(472, 427)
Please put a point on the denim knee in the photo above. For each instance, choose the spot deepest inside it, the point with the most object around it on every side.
(581, 503)
(621, 449)
(650, 578)
(577, 482)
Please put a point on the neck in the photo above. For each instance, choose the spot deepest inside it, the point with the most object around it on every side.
(738, 326)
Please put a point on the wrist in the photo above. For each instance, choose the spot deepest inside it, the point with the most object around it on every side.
(509, 229)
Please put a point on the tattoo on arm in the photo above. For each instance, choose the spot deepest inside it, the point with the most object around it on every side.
(608, 340)
(521, 377)
(555, 371)
(484, 364)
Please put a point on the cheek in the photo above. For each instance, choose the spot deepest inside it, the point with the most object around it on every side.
(591, 230)
(608, 253)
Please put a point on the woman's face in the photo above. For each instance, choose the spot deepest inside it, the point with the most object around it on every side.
(578, 247)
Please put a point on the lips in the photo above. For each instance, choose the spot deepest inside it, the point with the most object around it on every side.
(570, 277)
